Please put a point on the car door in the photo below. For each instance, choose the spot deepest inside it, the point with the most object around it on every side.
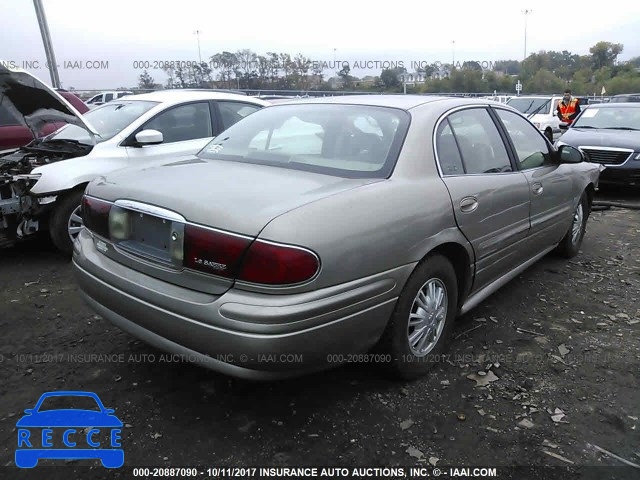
(185, 128)
(550, 183)
(490, 199)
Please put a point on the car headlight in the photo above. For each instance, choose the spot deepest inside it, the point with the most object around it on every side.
(31, 177)
(47, 200)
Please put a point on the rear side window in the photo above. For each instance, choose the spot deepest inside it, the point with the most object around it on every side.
(447, 149)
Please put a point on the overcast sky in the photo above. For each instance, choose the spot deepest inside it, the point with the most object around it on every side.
(121, 32)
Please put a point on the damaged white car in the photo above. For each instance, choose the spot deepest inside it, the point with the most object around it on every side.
(41, 184)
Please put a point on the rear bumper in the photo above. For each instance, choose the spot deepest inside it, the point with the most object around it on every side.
(240, 333)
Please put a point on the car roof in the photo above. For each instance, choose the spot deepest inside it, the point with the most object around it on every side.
(404, 102)
(536, 96)
(177, 95)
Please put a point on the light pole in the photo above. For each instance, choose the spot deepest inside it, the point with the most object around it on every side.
(526, 13)
(48, 46)
(197, 34)
(453, 54)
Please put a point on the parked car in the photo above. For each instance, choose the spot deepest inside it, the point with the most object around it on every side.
(320, 228)
(627, 97)
(609, 134)
(498, 98)
(41, 184)
(104, 97)
(541, 110)
(14, 134)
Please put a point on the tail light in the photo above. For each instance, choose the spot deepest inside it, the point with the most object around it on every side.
(235, 256)
(275, 264)
(95, 215)
(212, 251)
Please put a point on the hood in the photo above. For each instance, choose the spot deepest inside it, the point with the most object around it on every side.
(34, 104)
(237, 197)
(601, 137)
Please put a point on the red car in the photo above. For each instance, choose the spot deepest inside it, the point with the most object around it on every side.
(13, 134)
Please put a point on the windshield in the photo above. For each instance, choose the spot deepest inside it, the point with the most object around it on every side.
(529, 105)
(343, 140)
(108, 120)
(610, 118)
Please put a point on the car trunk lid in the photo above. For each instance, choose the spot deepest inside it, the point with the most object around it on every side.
(190, 222)
(232, 196)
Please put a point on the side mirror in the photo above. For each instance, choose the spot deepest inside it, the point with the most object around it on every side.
(149, 137)
(569, 154)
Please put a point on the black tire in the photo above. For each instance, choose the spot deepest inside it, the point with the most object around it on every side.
(59, 221)
(405, 364)
(570, 244)
(549, 134)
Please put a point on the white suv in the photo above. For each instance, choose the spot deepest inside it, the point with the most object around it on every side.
(542, 111)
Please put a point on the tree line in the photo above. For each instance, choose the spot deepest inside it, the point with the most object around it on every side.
(541, 72)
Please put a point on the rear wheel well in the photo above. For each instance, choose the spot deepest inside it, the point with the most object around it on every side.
(459, 258)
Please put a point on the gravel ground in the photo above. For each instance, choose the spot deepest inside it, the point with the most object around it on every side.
(544, 372)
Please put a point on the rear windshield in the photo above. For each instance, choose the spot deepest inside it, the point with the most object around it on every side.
(350, 141)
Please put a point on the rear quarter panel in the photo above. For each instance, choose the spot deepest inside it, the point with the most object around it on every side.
(370, 229)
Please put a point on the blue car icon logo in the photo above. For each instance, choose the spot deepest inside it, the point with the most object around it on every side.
(89, 432)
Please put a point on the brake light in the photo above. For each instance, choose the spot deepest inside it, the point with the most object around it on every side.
(236, 257)
(95, 215)
(212, 251)
(275, 264)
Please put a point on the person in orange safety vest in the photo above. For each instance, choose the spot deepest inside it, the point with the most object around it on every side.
(568, 108)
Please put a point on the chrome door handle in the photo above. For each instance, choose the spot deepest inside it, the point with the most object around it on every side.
(468, 204)
(537, 189)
